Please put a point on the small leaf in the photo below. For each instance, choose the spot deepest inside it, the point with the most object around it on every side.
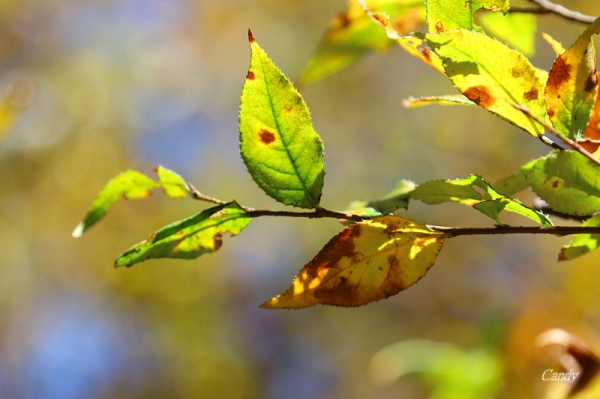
(278, 143)
(556, 45)
(487, 200)
(452, 99)
(582, 243)
(591, 135)
(568, 182)
(492, 82)
(572, 86)
(515, 182)
(172, 184)
(365, 262)
(446, 15)
(189, 238)
(516, 29)
(130, 185)
(352, 33)
(398, 198)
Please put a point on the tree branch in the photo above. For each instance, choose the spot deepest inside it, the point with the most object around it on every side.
(556, 230)
(557, 9)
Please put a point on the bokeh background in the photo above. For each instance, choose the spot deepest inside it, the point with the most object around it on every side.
(101, 86)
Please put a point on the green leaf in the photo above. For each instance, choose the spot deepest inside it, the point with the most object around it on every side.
(353, 32)
(367, 261)
(568, 182)
(398, 198)
(452, 99)
(189, 238)
(487, 200)
(172, 184)
(492, 82)
(516, 29)
(129, 184)
(278, 143)
(446, 15)
(572, 85)
(516, 182)
(582, 243)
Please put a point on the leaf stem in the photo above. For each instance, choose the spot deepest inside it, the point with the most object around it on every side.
(568, 142)
(556, 230)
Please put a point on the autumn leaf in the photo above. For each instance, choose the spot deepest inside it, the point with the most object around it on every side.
(452, 99)
(591, 136)
(353, 33)
(582, 243)
(486, 200)
(130, 184)
(365, 262)
(190, 237)
(278, 143)
(568, 182)
(572, 86)
(447, 15)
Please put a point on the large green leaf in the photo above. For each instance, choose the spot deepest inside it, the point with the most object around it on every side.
(568, 182)
(353, 32)
(446, 15)
(278, 143)
(582, 243)
(190, 237)
(572, 86)
(492, 75)
(487, 200)
(131, 185)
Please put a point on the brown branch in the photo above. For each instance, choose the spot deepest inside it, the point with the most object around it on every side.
(562, 11)
(196, 194)
(556, 230)
(570, 143)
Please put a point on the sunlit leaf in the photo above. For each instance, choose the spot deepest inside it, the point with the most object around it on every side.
(591, 136)
(516, 29)
(556, 45)
(452, 99)
(398, 198)
(446, 15)
(365, 262)
(492, 82)
(172, 184)
(486, 200)
(582, 243)
(568, 182)
(190, 237)
(129, 185)
(516, 182)
(572, 86)
(353, 32)
(278, 143)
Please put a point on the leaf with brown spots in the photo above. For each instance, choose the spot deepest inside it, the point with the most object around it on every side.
(492, 75)
(365, 262)
(568, 182)
(353, 33)
(280, 147)
(447, 15)
(572, 86)
(591, 135)
(189, 238)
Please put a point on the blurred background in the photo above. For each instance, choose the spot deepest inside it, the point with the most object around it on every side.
(95, 87)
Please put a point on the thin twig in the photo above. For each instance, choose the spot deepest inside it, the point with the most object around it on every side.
(570, 143)
(563, 12)
(199, 196)
(450, 232)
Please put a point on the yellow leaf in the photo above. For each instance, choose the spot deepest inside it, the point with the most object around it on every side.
(365, 262)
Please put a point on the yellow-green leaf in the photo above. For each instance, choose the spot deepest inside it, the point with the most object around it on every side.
(172, 184)
(398, 198)
(582, 243)
(365, 262)
(353, 32)
(446, 15)
(190, 237)
(281, 149)
(516, 29)
(572, 86)
(452, 99)
(493, 76)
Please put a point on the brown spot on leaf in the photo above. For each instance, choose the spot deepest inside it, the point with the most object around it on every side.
(250, 75)
(550, 112)
(342, 20)
(218, 241)
(516, 72)
(555, 184)
(426, 53)
(266, 136)
(559, 74)
(591, 82)
(340, 246)
(468, 5)
(439, 27)
(251, 38)
(480, 95)
(531, 94)
(382, 19)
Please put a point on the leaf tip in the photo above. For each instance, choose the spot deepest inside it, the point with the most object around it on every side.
(251, 38)
(78, 232)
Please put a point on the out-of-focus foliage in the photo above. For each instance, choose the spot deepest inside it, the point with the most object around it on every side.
(112, 85)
